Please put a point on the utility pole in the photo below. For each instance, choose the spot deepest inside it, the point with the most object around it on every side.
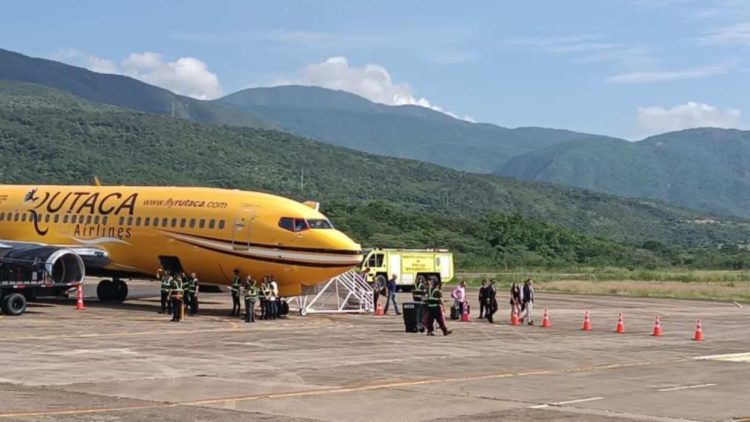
(302, 179)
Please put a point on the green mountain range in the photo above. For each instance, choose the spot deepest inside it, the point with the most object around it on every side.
(706, 169)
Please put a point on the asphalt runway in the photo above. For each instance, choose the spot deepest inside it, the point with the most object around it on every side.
(125, 362)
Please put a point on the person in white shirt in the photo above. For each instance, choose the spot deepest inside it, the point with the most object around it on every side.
(273, 299)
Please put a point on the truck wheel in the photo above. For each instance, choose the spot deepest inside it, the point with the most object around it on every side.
(380, 278)
(14, 304)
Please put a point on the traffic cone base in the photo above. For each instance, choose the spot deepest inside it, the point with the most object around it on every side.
(620, 325)
(657, 328)
(379, 310)
(698, 331)
(586, 322)
(465, 315)
(79, 299)
(514, 318)
(545, 320)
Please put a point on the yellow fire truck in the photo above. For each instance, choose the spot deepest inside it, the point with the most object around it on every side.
(409, 265)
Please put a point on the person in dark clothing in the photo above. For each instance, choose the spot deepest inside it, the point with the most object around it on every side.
(435, 309)
(491, 302)
(391, 286)
(235, 289)
(377, 289)
(251, 296)
(482, 298)
(176, 293)
(528, 300)
(166, 283)
(515, 300)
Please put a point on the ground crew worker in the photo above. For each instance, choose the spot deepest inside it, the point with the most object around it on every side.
(263, 297)
(176, 292)
(189, 287)
(251, 296)
(435, 309)
(196, 289)
(420, 289)
(235, 289)
(166, 283)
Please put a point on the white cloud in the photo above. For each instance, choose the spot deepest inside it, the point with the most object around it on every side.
(646, 77)
(587, 48)
(733, 34)
(370, 81)
(186, 75)
(685, 116)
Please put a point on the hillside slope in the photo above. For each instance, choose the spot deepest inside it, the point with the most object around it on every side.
(347, 120)
(118, 90)
(51, 137)
(706, 169)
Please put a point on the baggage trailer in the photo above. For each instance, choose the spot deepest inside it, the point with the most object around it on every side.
(22, 281)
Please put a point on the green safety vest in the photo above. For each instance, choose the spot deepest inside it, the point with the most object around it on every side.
(251, 292)
(433, 301)
(190, 285)
(166, 283)
(419, 290)
(236, 285)
(176, 287)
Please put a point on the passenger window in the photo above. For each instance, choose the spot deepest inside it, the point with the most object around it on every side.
(88, 219)
(156, 221)
(174, 222)
(300, 224)
(105, 219)
(202, 223)
(182, 223)
(46, 218)
(165, 222)
(211, 224)
(2, 216)
(192, 223)
(65, 219)
(23, 217)
(73, 219)
(122, 221)
(57, 218)
(10, 216)
(138, 221)
(147, 221)
(221, 224)
(130, 221)
(96, 219)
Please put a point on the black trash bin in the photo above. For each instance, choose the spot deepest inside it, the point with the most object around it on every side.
(413, 316)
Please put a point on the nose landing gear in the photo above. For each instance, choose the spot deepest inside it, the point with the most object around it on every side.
(112, 290)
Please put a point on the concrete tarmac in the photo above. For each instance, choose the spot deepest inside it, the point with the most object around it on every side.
(126, 362)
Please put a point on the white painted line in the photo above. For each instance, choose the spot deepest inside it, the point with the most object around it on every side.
(539, 406)
(685, 387)
(563, 403)
(730, 357)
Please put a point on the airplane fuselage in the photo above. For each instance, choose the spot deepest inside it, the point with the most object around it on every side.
(209, 231)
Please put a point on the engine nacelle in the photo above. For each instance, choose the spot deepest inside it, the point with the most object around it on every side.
(61, 265)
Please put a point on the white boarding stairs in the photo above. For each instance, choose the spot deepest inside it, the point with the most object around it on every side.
(351, 294)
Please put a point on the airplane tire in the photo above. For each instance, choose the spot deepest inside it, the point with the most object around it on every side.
(105, 290)
(14, 304)
(120, 290)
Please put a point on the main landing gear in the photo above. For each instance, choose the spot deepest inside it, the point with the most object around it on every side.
(116, 290)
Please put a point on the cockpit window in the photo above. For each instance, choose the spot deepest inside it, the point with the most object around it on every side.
(293, 224)
(287, 223)
(319, 223)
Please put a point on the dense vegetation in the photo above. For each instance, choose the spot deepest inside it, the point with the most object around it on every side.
(47, 136)
(704, 169)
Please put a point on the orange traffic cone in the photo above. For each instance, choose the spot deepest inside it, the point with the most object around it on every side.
(545, 320)
(657, 328)
(465, 315)
(379, 310)
(514, 318)
(586, 322)
(620, 325)
(698, 331)
(79, 298)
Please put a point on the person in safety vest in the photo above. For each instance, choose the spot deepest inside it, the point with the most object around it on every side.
(176, 293)
(251, 296)
(235, 289)
(435, 309)
(166, 283)
(190, 286)
(420, 289)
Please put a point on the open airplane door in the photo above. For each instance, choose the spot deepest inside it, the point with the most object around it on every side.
(242, 229)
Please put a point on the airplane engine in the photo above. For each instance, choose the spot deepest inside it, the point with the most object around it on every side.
(62, 265)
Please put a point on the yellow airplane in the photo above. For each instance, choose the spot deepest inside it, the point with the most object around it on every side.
(122, 232)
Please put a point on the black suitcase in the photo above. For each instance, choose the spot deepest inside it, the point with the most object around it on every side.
(413, 315)
(455, 313)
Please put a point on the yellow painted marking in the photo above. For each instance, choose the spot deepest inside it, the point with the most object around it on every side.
(83, 411)
(729, 357)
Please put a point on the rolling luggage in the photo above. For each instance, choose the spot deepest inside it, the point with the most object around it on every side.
(413, 315)
(455, 312)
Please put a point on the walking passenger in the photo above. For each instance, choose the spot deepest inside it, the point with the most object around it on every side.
(482, 298)
(435, 309)
(515, 300)
(251, 296)
(491, 302)
(391, 287)
(235, 289)
(459, 297)
(528, 300)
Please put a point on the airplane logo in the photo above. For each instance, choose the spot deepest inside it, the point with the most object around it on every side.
(31, 196)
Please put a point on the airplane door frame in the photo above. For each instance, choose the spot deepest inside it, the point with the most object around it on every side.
(242, 229)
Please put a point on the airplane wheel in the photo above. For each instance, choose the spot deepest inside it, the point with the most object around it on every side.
(14, 304)
(119, 290)
(104, 290)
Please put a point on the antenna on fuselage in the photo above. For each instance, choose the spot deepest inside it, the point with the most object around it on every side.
(97, 182)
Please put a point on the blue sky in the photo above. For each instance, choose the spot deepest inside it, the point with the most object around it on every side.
(625, 68)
